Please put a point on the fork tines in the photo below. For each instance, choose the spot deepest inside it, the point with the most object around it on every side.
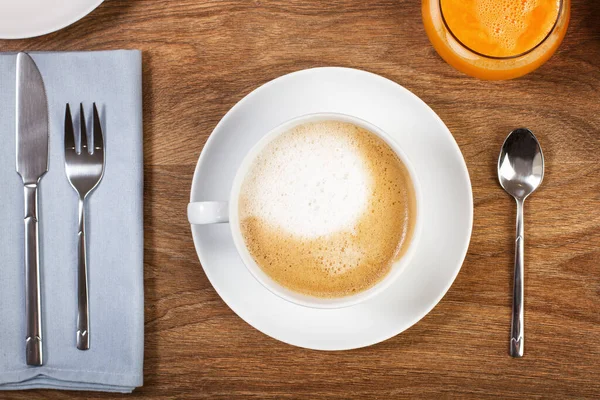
(98, 140)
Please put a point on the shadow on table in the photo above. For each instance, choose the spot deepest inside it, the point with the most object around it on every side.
(149, 232)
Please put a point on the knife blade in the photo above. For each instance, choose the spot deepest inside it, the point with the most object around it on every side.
(32, 136)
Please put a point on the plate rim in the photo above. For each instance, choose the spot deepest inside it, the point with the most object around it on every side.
(56, 27)
(465, 172)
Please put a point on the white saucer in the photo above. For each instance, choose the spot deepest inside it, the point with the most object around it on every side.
(28, 18)
(447, 207)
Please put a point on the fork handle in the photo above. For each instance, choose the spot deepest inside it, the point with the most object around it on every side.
(33, 342)
(83, 311)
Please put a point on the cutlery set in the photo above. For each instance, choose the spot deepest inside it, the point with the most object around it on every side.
(84, 170)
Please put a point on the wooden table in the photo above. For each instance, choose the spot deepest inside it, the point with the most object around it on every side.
(202, 56)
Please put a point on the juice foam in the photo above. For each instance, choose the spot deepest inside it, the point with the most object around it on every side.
(500, 28)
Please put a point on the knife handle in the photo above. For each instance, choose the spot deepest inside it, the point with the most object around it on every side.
(33, 344)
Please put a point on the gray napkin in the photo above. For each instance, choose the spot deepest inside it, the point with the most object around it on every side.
(112, 79)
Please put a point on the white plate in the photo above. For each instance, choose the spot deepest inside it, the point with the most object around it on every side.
(28, 18)
(447, 207)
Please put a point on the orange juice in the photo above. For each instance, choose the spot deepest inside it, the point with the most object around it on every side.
(496, 39)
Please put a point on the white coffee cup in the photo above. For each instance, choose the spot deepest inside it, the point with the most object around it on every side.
(212, 212)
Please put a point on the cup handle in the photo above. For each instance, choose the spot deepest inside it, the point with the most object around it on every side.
(208, 212)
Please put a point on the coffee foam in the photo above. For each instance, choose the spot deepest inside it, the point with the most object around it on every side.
(319, 175)
(326, 208)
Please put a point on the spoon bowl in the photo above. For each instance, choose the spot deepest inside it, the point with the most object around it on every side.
(521, 164)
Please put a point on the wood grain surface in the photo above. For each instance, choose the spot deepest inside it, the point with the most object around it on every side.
(201, 56)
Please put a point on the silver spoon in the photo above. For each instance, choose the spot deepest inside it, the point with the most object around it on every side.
(520, 172)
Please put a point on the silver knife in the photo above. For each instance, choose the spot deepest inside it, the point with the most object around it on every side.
(32, 164)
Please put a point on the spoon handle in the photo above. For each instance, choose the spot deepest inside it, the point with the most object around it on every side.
(516, 330)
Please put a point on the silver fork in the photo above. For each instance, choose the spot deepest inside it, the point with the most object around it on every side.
(84, 171)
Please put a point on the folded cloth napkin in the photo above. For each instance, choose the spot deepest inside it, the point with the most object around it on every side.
(114, 361)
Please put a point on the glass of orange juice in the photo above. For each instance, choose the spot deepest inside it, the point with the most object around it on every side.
(496, 39)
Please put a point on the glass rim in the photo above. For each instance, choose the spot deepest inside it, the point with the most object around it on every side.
(558, 17)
